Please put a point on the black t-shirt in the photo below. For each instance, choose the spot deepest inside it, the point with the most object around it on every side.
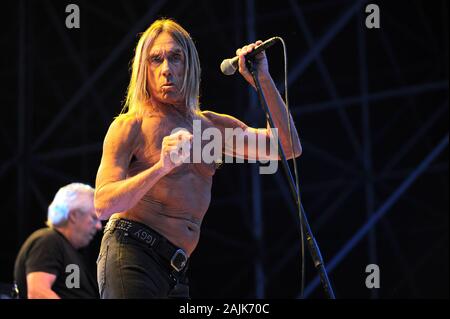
(47, 250)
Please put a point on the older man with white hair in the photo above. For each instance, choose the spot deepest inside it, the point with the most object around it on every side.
(49, 264)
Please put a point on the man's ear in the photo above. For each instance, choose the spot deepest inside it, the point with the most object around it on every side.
(73, 216)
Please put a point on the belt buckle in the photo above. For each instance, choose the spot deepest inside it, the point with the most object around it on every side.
(178, 260)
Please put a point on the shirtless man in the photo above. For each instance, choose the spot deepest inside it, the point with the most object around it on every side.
(154, 203)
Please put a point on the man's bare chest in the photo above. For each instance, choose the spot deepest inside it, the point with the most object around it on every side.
(153, 131)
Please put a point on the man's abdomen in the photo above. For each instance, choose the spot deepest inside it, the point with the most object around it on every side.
(175, 207)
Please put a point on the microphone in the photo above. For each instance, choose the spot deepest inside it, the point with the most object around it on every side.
(229, 66)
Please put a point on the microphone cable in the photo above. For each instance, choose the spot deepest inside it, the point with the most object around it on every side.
(298, 201)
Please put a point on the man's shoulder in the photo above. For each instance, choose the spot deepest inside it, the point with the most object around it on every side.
(213, 117)
(209, 114)
(45, 235)
(125, 128)
(44, 238)
(127, 122)
(219, 119)
(45, 232)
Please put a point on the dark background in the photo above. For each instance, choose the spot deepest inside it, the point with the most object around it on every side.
(370, 105)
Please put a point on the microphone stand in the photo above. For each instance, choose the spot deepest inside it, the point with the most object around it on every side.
(312, 244)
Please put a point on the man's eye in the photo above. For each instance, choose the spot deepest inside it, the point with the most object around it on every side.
(176, 57)
(155, 59)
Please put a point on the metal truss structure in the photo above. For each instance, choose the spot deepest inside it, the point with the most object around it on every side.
(371, 107)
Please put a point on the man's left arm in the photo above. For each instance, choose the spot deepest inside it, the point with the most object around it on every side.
(274, 101)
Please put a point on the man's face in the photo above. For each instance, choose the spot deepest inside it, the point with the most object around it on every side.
(165, 70)
(86, 222)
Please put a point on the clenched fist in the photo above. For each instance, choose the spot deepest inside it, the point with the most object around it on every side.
(175, 149)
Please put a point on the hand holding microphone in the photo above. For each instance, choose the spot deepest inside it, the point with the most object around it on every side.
(229, 66)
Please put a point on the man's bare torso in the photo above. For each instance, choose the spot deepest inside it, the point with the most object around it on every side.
(176, 204)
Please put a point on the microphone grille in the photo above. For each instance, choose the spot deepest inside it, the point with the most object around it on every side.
(227, 67)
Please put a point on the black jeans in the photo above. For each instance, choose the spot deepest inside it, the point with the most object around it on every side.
(127, 268)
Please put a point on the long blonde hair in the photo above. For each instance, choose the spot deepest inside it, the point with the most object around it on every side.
(137, 93)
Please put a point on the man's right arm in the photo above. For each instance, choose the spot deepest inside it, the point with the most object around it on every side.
(39, 285)
(114, 192)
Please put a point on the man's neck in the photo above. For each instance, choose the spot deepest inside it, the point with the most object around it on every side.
(168, 110)
(68, 235)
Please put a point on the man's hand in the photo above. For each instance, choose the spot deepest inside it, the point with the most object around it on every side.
(175, 149)
(260, 61)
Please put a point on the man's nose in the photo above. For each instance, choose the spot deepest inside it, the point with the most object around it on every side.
(165, 67)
